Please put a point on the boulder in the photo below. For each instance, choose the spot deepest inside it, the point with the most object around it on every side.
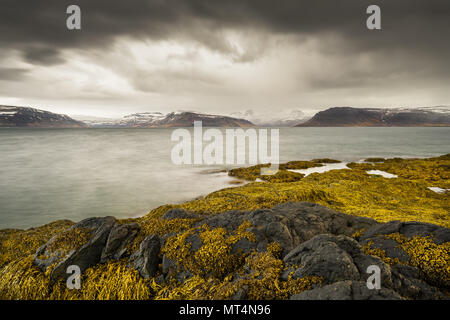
(289, 224)
(347, 290)
(335, 258)
(146, 259)
(91, 252)
(409, 229)
(119, 237)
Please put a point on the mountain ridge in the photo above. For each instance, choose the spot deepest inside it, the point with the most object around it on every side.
(13, 116)
(377, 117)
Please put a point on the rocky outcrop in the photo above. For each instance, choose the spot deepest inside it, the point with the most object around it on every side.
(146, 258)
(120, 236)
(347, 290)
(289, 224)
(335, 258)
(314, 241)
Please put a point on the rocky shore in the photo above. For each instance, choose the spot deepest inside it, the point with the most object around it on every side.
(290, 237)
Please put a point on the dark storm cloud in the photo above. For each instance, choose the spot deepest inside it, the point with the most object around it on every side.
(37, 28)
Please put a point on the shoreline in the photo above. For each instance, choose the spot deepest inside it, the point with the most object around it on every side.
(215, 244)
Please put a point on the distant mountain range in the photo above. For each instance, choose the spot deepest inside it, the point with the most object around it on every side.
(172, 119)
(276, 118)
(370, 117)
(11, 116)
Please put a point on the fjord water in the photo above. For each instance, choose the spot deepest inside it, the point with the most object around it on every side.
(52, 174)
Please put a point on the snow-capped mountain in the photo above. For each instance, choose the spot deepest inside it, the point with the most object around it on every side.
(172, 119)
(288, 118)
(12, 116)
(373, 117)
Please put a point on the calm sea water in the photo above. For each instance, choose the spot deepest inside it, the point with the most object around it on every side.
(46, 175)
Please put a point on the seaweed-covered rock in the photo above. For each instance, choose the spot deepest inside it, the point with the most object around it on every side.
(347, 290)
(409, 229)
(120, 236)
(146, 259)
(290, 224)
(408, 283)
(86, 234)
(300, 250)
(88, 254)
(178, 213)
(335, 258)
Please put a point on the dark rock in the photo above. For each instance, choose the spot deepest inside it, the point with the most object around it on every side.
(347, 290)
(391, 247)
(146, 259)
(120, 236)
(243, 246)
(90, 253)
(241, 293)
(407, 282)
(322, 257)
(168, 266)
(178, 213)
(335, 258)
(195, 242)
(290, 223)
(409, 230)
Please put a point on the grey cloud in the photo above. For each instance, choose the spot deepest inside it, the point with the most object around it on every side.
(12, 74)
(409, 55)
(407, 24)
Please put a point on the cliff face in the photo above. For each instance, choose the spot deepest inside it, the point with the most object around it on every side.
(11, 116)
(366, 117)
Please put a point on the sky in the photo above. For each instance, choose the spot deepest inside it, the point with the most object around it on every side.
(223, 56)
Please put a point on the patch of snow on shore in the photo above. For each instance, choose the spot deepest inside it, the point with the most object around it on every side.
(382, 173)
(438, 190)
(326, 167)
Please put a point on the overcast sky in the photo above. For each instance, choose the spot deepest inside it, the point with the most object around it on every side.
(223, 56)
